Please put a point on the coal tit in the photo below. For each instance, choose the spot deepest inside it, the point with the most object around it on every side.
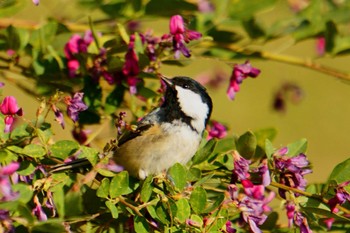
(169, 134)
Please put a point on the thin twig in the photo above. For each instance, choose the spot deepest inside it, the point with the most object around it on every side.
(310, 195)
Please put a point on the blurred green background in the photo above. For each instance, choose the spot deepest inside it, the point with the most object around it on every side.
(322, 116)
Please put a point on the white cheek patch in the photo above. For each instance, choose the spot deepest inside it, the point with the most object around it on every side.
(192, 105)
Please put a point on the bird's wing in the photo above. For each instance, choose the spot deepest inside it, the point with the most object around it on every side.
(133, 134)
(143, 125)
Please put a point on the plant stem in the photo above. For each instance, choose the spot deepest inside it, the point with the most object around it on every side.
(310, 195)
(307, 63)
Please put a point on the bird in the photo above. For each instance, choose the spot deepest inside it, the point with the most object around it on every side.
(169, 134)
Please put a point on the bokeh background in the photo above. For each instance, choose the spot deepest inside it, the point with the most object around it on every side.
(322, 116)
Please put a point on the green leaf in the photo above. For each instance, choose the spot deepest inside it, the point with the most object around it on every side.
(263, 134)
(178, 175)
(114, 99)
(141, 225)
(330, 35)
(198, 199)
(11, 7)
(26, 213)
(194, 174)
(58, 197)
(34, 151)
(218, 200)
(43, 36)
(269, 149)
(253, 28)
(204, 152)
(49, 226)
(166, 8)
(44, 135)
(90, 153)
(246, 9)
(162, 213)
(120, 185)
(224, 145)
(114, 210)
(246, 145)
(183, 210)
(103, 190)
(26, 168)
(341, 173)
(73, 203)
(147, 188)
(25, 192)
(297, 147)
(64, 148)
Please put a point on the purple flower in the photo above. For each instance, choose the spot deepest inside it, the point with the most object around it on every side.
(216, 130)
(297, 218)
(120, 123)
(192, 223)
(302, 223)
(131, 68)
(291, 171)
(180, 35)
(239, 73)
(10, 108)
(75, 105)
(252, 212)
(229, 227)
(112, 166)
(2, 84)
(264, 172)
(340, 197)
(288, 91)
(151, 44)
(99, 68)
(252, 205)
(6, 221)
(241, 168)
(80, 135)
(6, 192)
(38, 210)
(290, 209)
(36, 2)
(58, 115)
(205, 6)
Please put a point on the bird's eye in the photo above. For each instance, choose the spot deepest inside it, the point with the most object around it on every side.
(186, 86)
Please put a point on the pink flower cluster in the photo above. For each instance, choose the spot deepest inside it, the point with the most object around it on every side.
(253, 203)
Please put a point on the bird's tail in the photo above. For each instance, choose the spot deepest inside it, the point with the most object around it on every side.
(73, 165)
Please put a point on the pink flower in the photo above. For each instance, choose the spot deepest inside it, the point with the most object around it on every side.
(10, 108)
(216, 130)
(131, 68)
(76, 45)
(6, 192)
(180, 35)
(321, 45)
(239, 73)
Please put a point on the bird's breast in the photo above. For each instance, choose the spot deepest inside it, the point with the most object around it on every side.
(158, 148)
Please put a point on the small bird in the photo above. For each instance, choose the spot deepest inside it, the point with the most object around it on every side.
(170, 133)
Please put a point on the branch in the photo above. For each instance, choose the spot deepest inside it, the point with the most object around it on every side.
(310, 195)
(307, 63)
